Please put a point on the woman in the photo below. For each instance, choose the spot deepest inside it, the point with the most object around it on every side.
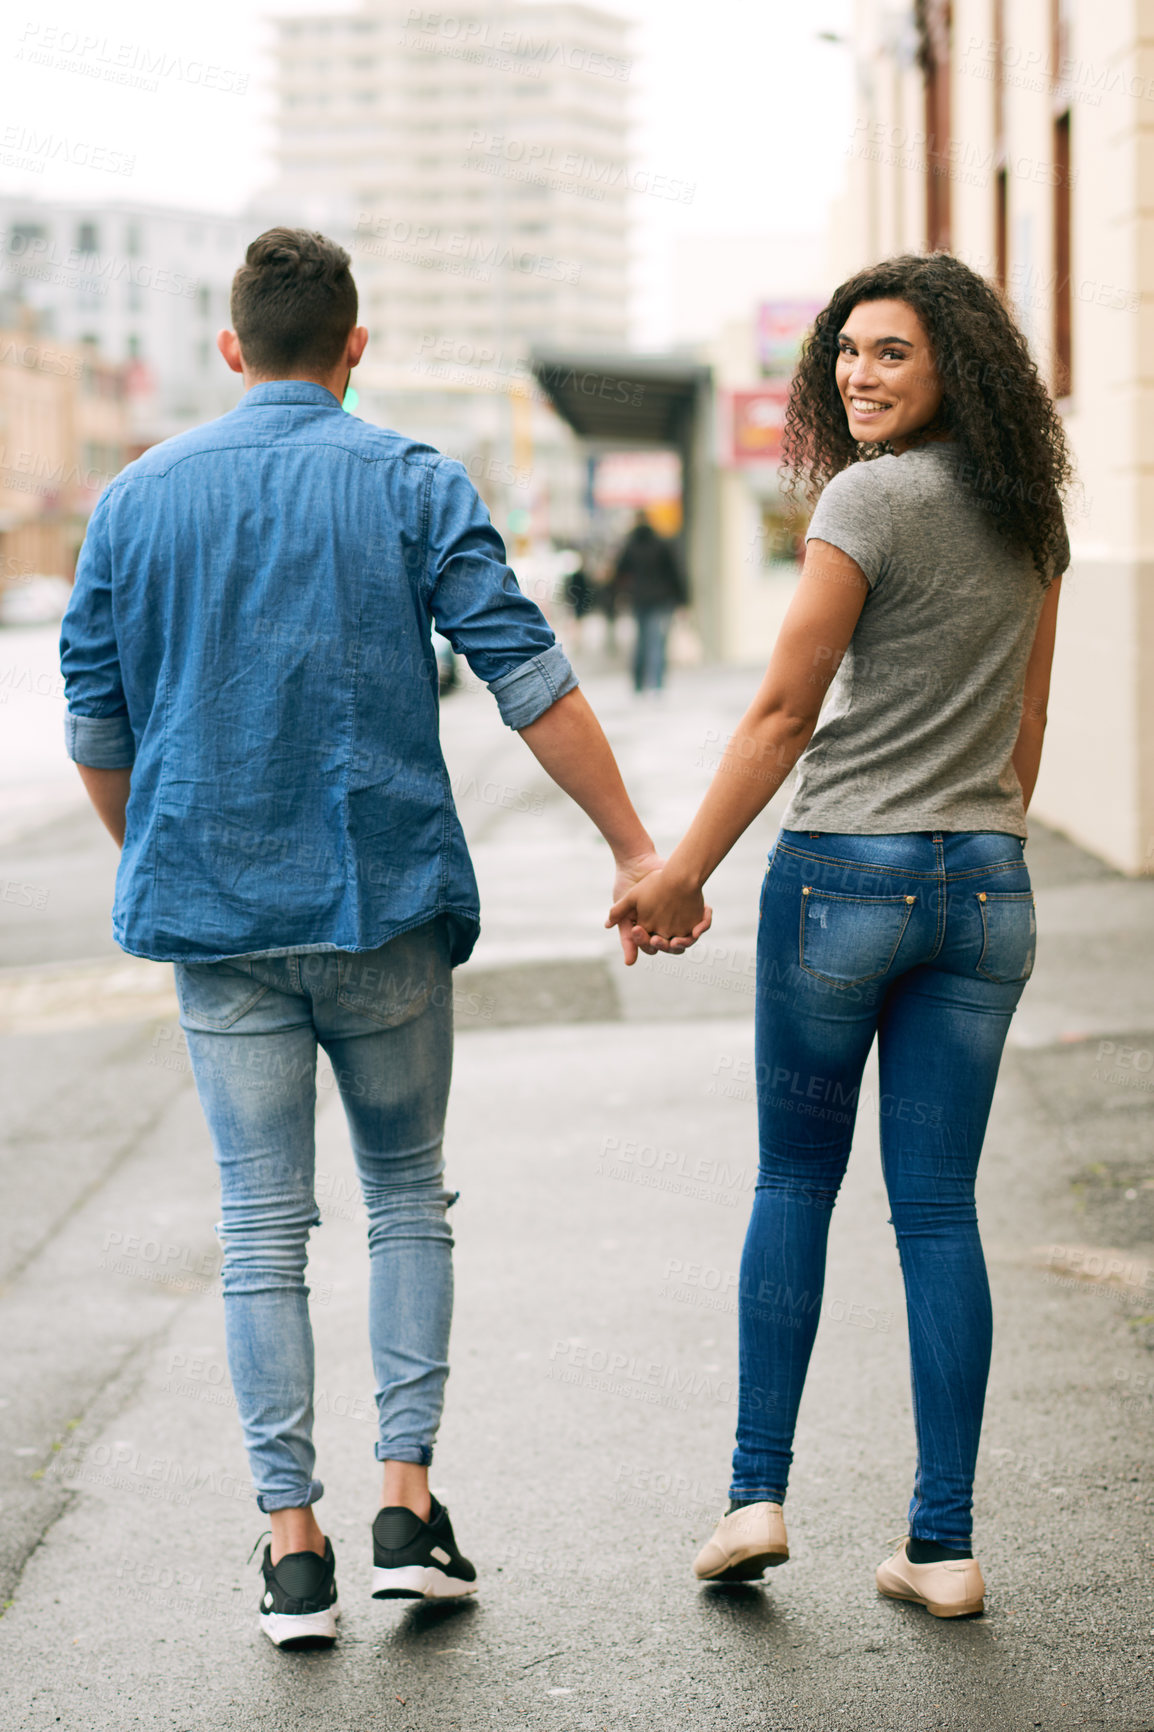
(897, 901)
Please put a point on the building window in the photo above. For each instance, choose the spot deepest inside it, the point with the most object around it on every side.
(934, 23)
(203, 300)
(132, 241)
(1063, 323)
(87, 239)
(21, 234)
(134, 348)
(1062, 259)
(1001, 174)
(1001, 227)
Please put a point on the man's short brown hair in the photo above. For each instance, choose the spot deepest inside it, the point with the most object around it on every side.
(293, 303)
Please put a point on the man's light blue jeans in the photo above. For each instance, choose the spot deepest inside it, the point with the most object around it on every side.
(385, 1019)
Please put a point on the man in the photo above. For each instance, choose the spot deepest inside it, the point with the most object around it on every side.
(648, 576)
(252, 697)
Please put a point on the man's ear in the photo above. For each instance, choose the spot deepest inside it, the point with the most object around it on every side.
(358, 337)
(229, 345)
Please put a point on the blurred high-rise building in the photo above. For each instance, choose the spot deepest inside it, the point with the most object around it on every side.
(476, 163)
(479, 160)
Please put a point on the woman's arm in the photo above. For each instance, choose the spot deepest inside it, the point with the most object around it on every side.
(1027, 753)
(766, 744)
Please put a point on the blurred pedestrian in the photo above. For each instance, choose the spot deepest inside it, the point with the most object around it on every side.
(252, 696)
(897, 903)
(647, 575)
(580, 592)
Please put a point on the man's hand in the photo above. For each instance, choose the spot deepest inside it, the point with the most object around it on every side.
(630, 872)
(654, 914)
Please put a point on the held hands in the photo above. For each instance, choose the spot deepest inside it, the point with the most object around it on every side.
(654, 913)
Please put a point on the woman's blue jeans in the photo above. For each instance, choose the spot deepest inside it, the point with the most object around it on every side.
(385, 1019)
(926, 941)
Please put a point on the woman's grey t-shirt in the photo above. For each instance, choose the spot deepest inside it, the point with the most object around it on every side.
(919, 724)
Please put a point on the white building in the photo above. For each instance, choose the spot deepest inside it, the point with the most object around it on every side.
(144, 284)
(476, 164)
(479, 159)
(1020, 134)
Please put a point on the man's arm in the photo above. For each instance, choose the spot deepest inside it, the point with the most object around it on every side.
(97, 731)
(1027, 753)
(108, 791)
(508, 643)
(568, 742)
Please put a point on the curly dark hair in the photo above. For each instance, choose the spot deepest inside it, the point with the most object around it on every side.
(1014, 453)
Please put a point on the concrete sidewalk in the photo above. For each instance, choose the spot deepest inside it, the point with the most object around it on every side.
(602, 1136)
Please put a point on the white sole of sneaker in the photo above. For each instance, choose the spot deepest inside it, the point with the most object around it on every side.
(285, 1627)
(418, 1582)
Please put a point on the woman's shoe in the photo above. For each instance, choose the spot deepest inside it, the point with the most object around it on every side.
(744, 1543)
(952, 1590)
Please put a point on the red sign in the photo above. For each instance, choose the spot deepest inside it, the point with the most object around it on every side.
(757, 420)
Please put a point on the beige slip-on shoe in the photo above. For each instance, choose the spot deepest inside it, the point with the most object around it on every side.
(951, 1590)
(743, 1545)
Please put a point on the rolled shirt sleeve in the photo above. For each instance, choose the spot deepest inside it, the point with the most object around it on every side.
(97, 731)
(479, 607)
(534, 687)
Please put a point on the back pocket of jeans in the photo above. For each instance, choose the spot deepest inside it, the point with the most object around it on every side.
(1009, 935)
(846, 940)
(395, 983)
(214, 995)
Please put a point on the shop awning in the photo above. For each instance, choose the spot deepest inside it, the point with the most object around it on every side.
(621, 397)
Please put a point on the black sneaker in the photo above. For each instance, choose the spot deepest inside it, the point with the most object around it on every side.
(416, 1560)
(298, 1608)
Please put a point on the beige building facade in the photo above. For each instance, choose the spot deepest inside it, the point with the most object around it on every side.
(1020, 135)
(63, 436)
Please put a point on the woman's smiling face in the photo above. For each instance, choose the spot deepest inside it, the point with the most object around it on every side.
(886, 373)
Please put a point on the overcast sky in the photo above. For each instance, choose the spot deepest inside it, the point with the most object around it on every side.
(740, 97)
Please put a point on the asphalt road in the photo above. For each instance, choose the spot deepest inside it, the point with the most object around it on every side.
(602, 1137)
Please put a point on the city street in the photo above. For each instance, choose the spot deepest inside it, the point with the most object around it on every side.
(602, 1136)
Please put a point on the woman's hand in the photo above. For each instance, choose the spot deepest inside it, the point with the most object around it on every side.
(660, 914)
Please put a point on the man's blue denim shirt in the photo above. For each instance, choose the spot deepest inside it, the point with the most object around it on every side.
(250, 632)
